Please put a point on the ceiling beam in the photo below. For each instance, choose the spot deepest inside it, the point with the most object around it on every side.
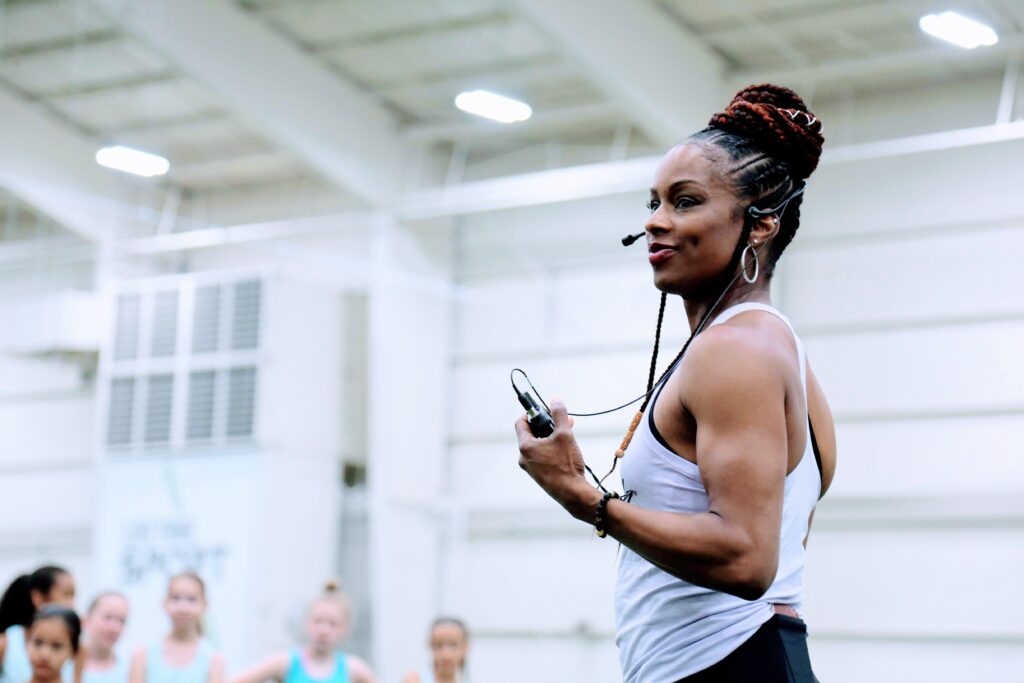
(544, 187)
(541, 122)
(817, 21)
(54, 170)
(639, 57)
(297, 102)
(883, 63)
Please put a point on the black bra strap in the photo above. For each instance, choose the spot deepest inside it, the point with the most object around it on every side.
(817, 451)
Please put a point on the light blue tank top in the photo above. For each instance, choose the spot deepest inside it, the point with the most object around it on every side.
(197, 671)
(115, 674)
(297, 674)
(16, 667)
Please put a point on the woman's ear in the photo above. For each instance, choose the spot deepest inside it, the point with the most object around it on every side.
(765, 228)
(37, 597)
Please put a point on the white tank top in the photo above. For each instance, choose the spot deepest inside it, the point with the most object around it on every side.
(666, 628)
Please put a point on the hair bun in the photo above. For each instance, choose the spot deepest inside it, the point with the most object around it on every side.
(332, 586)
(777, 120)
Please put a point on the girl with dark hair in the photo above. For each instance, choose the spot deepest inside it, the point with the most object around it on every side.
(735, 444)
(51, 642)
(321, 660)
(449, 643)
(26, 594)
(183, 655)
(101, 629)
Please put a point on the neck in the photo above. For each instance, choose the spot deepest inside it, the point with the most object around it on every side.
(184, 633)
(740, 292)
(98, 654)
(316, 654)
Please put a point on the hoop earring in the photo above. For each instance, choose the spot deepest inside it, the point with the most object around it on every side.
(743, 264)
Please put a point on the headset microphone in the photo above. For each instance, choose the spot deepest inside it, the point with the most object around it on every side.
(629, 239)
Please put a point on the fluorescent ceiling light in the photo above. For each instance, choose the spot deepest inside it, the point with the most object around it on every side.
(493, 106)
(132, 161)
(958, 29)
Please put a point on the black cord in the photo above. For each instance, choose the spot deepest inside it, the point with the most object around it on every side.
(675, 361)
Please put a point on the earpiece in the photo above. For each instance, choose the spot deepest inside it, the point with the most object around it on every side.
(755, 212)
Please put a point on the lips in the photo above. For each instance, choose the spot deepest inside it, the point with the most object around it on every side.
(659, 253)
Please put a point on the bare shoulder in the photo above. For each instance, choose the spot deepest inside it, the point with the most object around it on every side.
(411, 678)
(358, 670)
(741, 352)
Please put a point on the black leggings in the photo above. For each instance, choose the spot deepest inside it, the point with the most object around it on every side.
(776, 653)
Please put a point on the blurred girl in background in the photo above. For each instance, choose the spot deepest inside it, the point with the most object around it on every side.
(51, 642)
(25, 595)
(321, 660)
(102, 628)
(449, 643)
(183, 656)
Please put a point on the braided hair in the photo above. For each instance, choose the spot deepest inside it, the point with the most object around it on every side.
(772, 143)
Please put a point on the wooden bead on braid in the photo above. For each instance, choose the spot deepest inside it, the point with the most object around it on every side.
(629, 434)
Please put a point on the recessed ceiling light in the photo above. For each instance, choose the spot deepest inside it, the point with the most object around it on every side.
(493, 106)
(959, 30)
(132, 161)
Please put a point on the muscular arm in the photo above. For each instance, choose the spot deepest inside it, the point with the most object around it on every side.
(273, 667)
(735, 391)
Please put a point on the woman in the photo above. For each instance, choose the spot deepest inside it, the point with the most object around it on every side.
(321, 660)
(21, 600)
(449, 643)
(101, 629)
(183, 655)
(722, 468)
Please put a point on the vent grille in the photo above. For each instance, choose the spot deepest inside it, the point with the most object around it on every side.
(165, 324)
(241, 401)
(206, 319)
(119, 416)
(245, 323)
(126, 332)
(202, 393)
(159, 400)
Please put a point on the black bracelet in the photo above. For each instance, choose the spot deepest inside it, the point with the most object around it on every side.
(602, 511)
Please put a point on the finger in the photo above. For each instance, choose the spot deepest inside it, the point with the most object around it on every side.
(523, 430)
(559, 414)
(572, 421)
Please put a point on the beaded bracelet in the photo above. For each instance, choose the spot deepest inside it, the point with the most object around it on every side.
(602, 510)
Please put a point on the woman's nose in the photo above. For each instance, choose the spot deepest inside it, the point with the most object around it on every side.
(656, 221)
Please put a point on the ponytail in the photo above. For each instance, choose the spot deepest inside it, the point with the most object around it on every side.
(16, 606)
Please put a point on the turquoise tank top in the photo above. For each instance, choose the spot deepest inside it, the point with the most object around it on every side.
(197, 671)
(297, 674)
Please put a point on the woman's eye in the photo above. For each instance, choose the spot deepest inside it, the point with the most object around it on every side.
(652, 205)
(685, 202)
